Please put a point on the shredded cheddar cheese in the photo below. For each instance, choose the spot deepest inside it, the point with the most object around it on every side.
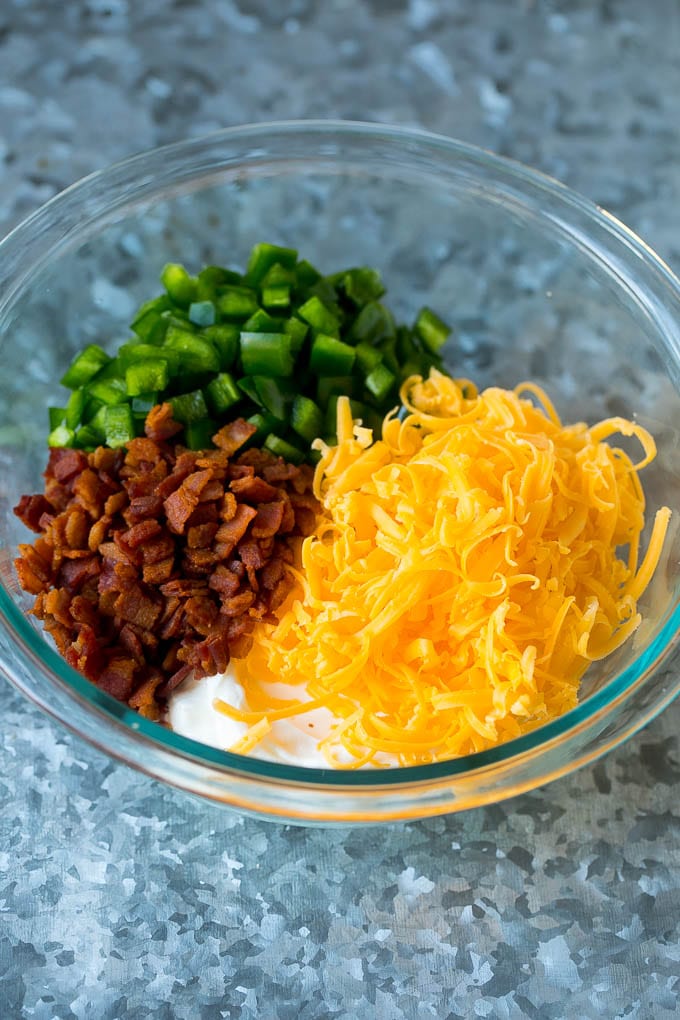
(466, 571)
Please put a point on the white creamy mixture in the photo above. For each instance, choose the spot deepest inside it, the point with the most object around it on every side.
(294, 741)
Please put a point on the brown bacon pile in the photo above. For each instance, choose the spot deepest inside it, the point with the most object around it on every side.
(154, 562)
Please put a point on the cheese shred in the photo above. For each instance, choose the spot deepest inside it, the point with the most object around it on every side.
(466, 570)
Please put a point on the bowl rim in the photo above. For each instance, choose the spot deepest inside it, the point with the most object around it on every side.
(626, 244)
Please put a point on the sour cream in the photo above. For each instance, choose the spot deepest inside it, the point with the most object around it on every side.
(294, 741)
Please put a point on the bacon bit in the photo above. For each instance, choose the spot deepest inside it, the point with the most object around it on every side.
(74, 573)
(237, 604)
(34, 574)
(268, 520)
(117, 678)
(201, 613)
(57, 603)
(271, 573)
(65, 464)
(178, 509)
(136, 607)
(31, 509)
(183, 587)
(140, 451)
(160, 424)
(233, 531)
(82, 610)
(114, 552)
(151, 563)
(105, 459)
(182, 468)
(115, 503)
(229, 507)
(129, 639)
(253, 489)
(251, 555)
(160, 548)
(77, 529)
(144, 698)
(156, 573)
(224, 581)
(180, 504)
(200, 536)
(175, 680)
(279, 471)
(239, 470)
(198, 561)
(142, 507)
(146, 483)
(140, 533)
(98, 532)
(232, 437)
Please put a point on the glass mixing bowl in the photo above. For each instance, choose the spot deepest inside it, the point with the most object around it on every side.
(538, 284)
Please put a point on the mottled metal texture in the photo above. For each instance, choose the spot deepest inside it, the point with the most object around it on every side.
(122, 899)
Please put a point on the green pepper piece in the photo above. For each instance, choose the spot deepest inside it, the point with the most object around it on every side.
(276, 296)
(180, 286)
(188, 407)
(142, 403)
(75, 408)
(108, 391)
(307, 275)
(432, 330)
(150, 327)
(196, 354)
(84, 366)
(224, 337)
(237, 303)
(282, 448)
(279, 276)
(362, 285)
(247, 386)
(56, 416)
(373, 324)
(328, 386)
(212, 277)
(119, 426)
(98, 423)
(306, 418)
(321, 318)
(367, 357)
(202, 313)
(327, 295)
(380, 382)
(297, 330)
(198, 434)
(265, 423)
(222, 392)
(133, 354)
(264, 256)
(61, 436)
(388, 351)
(87, 438)
(156, 305)
(330, 356)
(276, 395)
(266, 354)
(145, 376)
(262, 322)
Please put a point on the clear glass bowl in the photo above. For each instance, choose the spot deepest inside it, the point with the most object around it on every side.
(538, 283)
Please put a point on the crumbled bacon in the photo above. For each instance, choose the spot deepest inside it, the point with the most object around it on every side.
(155, 562)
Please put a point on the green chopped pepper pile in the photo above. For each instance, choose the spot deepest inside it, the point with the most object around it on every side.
(276, 345)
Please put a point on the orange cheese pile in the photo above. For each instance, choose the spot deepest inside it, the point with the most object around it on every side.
(462, 578)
